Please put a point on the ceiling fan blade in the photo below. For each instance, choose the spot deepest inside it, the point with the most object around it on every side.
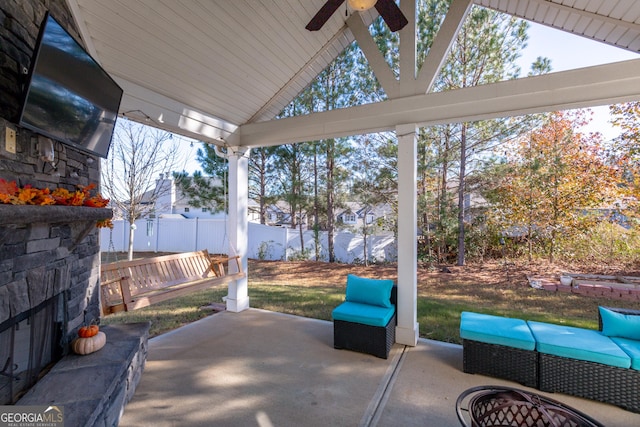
(323, 14)
(391, 14)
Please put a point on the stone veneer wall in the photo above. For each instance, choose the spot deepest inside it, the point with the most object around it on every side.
(47, 250)
(42, 249)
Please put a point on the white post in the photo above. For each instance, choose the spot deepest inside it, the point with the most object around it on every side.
(157, 227)
(195, 239)
(286, 243)
(407, 328)
(237, 226)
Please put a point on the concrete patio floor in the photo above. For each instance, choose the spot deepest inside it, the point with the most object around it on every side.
(260, 368)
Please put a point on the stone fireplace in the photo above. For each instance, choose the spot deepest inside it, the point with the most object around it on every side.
(50, 258)
(29, 343)
(49, 288)
(50, 264)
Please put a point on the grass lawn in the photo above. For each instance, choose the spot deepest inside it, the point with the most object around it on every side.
(313, 289)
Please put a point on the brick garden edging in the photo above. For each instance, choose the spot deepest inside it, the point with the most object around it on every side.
(604, 289)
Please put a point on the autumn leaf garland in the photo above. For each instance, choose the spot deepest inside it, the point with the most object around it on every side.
(11, 194)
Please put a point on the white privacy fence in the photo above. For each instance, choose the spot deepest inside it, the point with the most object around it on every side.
(265, 242)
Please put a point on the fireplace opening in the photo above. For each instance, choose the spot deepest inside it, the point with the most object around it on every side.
(30, 343)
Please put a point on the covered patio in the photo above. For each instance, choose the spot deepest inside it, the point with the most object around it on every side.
(220, 72)
(260, 368)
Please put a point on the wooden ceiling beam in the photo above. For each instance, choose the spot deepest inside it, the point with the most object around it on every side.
(586, 87)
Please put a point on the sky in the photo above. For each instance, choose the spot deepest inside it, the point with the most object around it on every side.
(566, 51)
(189, 148)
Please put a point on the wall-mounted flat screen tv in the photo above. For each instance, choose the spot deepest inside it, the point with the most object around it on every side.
(69, 97)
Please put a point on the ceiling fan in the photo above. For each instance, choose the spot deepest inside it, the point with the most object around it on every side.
(388, 9)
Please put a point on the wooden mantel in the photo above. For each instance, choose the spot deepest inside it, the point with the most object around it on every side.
(52, 214)
(82, 218)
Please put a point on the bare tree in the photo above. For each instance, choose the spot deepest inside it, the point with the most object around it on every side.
(139, 156)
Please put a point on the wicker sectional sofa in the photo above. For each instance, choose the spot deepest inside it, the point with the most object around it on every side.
(599, 365)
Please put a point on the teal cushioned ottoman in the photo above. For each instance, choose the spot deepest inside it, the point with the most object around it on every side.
(499, 347)
(578, 343)
(496, 330)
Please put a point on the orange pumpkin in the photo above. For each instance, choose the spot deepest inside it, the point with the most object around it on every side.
(88, 331)
(89, 345)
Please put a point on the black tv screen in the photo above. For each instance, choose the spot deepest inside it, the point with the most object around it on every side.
(69, 98)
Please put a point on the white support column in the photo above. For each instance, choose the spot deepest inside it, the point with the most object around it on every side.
(238, 223)
(407, 328)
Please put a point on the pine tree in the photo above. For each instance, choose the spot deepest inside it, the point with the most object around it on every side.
(484, 52)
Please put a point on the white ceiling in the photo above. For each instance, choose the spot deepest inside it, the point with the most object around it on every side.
(613, 22)
(208, 69)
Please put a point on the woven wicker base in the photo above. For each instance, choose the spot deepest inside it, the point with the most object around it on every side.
(490, 406)
(374, 340)
(595, 381)
(499, 361)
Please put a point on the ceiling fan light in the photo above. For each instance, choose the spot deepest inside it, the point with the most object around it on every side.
(361, 5)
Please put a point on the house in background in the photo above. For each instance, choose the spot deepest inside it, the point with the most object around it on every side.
(356, 215)
(275, 214)
(353, 216)
(279, 215)
(474, 205)
(171, 202)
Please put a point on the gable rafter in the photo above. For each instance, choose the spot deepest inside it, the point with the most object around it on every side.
(408, 48)
(377, 62)
(586, 87)
(409, 84)
(442, 43)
